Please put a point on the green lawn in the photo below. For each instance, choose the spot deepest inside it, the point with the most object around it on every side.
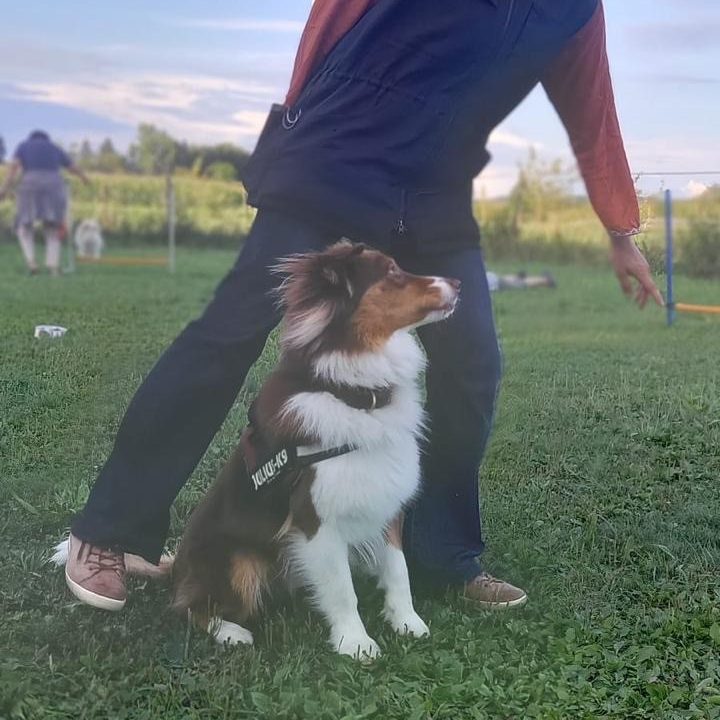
(600, 496)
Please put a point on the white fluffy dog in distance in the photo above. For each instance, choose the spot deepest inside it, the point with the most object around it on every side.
(88, 239)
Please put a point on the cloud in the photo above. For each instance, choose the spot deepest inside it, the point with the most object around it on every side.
(41, 63)
(695, 188)
(672, 154)
(165, 92)
(242, 25)
(495, 181)
(30, 59)
(509, 139)
(251, 121)
(192, 107)
(697, 35)
(665, 78)
(509, 149)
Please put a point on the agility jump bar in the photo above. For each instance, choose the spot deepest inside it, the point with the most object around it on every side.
(672, 306)
(709, 309)
(125, 261)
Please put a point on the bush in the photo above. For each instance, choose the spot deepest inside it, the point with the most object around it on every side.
(500, 235)
(221, 171)
(700, 248)
(654, 253)
(551, 242)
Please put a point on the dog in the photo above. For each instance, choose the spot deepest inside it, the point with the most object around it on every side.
(330, 457)
(88, 239)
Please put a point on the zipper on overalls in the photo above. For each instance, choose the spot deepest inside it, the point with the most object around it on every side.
(511, 6)
(400, 227)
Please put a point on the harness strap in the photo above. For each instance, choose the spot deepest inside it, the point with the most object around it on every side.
(303, 461)
(274, 463)
(263, 471)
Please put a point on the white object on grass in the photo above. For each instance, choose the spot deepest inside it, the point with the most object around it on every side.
(51, 331)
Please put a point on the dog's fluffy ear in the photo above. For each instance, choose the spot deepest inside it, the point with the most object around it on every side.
(331, 275)
(336, 265)
(317, 276)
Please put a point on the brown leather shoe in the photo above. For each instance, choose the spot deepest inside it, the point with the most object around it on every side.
(492, 594)
(96, 576)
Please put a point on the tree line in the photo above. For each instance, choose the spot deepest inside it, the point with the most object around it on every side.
(155, 152)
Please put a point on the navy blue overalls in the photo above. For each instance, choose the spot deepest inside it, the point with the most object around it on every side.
(382, 147)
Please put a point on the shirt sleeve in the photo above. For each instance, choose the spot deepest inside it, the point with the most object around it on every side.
(579, 86)
(63, 158)
(329, 20)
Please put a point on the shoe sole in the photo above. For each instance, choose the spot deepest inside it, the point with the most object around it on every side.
(93, 599)
(485, 605)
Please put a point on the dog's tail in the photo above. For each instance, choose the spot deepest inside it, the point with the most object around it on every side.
(134, 564)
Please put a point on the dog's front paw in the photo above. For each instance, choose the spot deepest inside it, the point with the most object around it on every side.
(230, 633)
(408, 624)
(360, 647)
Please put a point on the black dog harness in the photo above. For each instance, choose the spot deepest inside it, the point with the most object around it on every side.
(265, 465)
(287, 460)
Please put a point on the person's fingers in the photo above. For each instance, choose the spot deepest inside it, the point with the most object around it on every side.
(639, 293)
(625, 282)
(650, 288)
(642, 296)
(656, 295)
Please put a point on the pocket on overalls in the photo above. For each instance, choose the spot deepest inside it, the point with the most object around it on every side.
(265, 149)
(438, 219)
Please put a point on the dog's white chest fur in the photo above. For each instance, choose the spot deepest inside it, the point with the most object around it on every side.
(360, 492)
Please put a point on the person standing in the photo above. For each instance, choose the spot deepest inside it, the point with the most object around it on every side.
(41, 196)
(382, 132)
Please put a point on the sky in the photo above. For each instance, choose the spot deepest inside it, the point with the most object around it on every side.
(208, 71)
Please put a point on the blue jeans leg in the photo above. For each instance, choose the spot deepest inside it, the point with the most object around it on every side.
(185, 398)
(442, 533)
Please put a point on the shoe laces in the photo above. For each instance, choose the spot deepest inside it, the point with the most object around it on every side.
(485, 578)
(101, 559)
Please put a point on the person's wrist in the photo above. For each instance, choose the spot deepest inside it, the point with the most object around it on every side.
(622, 239)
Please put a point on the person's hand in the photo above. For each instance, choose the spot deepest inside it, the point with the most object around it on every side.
(633, 272)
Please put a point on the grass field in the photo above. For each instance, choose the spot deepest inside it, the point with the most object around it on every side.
(600, 496)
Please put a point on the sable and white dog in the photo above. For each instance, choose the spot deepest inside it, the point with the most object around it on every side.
(88, 239)
(330, 458)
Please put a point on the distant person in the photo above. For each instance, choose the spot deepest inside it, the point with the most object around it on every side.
(41, 196)
(381, 134)
(2, 150)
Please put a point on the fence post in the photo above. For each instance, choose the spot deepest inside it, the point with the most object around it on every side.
(670, 298)
(171, 220)
(70, 250)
